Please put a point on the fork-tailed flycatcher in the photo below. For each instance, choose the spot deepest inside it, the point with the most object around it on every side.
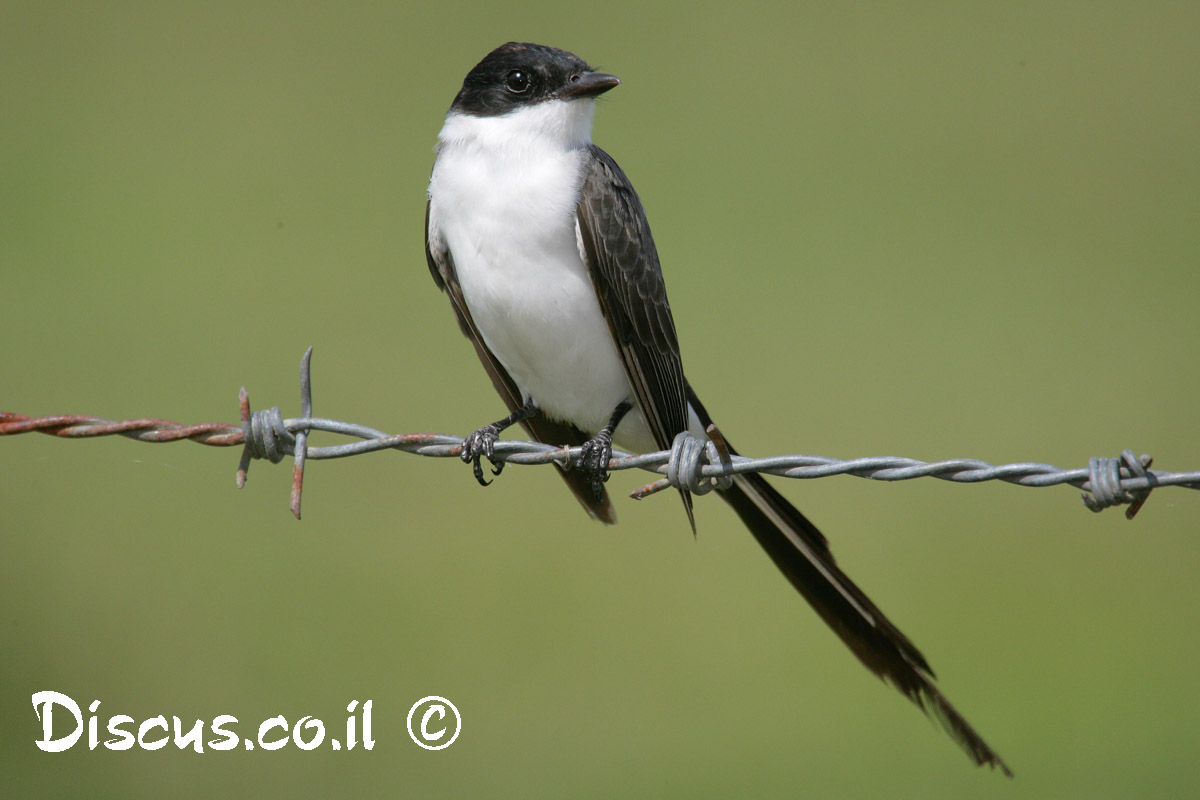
(542, 245)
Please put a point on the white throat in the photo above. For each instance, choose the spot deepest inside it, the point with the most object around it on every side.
(553, 124)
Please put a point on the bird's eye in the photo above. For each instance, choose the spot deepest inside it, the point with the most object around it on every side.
(517, 81)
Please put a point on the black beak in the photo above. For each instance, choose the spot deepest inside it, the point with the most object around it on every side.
(589, 84)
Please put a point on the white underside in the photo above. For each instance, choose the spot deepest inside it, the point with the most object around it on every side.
(502, 199)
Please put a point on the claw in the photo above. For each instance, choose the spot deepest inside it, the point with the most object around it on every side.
(480, 444)
(483, 442)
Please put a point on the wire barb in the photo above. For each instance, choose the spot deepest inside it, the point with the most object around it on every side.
(694, 464)
(306, 408)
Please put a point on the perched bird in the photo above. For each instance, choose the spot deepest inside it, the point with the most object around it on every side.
(543, 247)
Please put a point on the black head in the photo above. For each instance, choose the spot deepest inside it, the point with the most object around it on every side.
(519, 74)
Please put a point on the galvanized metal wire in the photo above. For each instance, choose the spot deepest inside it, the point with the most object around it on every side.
(696, 465)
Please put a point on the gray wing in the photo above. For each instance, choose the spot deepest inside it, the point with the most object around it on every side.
(441, 266)
(623, 263)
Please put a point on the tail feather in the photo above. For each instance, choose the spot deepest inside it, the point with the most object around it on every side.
(802, 554)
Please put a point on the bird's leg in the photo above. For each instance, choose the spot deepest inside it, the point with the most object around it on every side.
(483, 441)
(597, 451)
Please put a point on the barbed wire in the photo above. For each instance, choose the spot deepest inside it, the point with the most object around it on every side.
(693, 464)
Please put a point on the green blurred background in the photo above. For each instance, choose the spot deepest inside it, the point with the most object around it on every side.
(949, 230)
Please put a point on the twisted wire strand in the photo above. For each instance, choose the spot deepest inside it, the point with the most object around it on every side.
(693, 464)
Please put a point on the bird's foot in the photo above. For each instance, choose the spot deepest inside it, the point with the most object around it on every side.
(481, 444)
(597, 452)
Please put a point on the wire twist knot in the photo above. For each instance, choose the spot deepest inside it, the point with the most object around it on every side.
(264, 432)
(685, 467)
(1104, 482)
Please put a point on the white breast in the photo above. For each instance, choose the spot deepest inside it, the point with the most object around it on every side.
(502, 199)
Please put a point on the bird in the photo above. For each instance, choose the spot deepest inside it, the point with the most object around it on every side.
(543, 247)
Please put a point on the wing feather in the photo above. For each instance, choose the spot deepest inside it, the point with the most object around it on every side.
(621, 258)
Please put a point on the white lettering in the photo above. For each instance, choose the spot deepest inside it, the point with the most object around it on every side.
(47, 700)
(126, 733)
(273, 722)
(313, 724)
(438, 709)
(192, 738)
(231, 738)
(154, 722)
(351, 740)
(93, 737)
(368, 742)
(114, 727)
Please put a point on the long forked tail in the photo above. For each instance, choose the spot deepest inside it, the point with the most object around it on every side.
(802, 554)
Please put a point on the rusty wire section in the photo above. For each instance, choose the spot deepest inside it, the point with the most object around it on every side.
(695, 465)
